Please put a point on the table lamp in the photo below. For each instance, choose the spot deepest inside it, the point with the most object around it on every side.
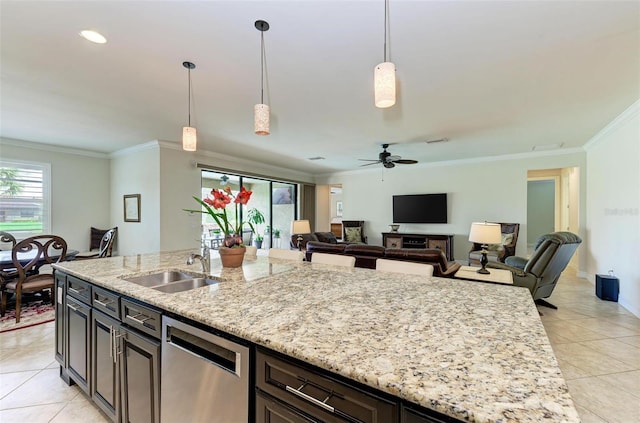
(485, 233)
(299, 227)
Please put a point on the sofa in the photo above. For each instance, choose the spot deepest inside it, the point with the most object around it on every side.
(366, 255)
(326, 237)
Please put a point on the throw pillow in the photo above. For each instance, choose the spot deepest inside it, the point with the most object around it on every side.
(507, 239)
(326, 237)
(353, 234)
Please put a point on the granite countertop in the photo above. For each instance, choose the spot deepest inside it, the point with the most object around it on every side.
(474, 351)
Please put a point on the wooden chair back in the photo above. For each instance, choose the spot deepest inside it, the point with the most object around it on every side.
(7, 241)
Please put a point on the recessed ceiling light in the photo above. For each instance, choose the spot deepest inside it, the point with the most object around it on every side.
(93, 36)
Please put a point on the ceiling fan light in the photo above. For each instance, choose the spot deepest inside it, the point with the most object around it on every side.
(385, 85)
(189, 138)
(261, 119)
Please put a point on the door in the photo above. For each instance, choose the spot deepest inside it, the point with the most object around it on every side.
(104, 368)
(139, 358)
(540, 208)
(78, 319)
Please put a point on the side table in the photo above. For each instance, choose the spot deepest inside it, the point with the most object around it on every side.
(470, 273)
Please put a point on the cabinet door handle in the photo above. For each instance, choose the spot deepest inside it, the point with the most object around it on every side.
(111, 342)
(72, 307)
(77, 291)
(138, 321)
(104, 304)
(309, 398)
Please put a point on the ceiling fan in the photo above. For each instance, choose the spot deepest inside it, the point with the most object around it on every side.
(387, 159)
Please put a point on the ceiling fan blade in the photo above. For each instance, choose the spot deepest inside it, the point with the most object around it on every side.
(369, 164)
(405, 161)
(393, 158)
(369, 160)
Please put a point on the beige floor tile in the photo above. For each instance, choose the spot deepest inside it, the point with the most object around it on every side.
(29, 358)
(24, 337)
(631, 340)
(569, 371)
(10, 381)
(607, 401)
(619, 350)
(587, 416)
(606, 327)
(45, 387)
(575, 333)
(35, 414)
(628, 321)
(80, 410)
(628, 381)
(588, 360)
(555, 338)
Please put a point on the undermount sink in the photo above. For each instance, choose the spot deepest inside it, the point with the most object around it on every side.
(170, 281)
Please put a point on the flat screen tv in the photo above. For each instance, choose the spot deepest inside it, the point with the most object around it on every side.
(420, 208)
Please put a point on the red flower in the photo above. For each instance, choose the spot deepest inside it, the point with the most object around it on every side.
(243, 196)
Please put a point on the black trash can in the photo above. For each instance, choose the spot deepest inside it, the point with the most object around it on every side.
(607, 287)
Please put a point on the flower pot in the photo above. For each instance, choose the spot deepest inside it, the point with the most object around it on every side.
(232, 257)
(257, 244)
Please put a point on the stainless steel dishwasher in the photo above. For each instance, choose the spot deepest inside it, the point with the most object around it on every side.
(205, 378)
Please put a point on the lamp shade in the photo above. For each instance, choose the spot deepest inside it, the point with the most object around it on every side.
(189, 138)
(300, 227)
(485, 233)
(384, 77)
(261, 119)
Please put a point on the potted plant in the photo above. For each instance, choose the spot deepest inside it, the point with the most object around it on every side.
(257, 241)
(276, 238)
(255, 218)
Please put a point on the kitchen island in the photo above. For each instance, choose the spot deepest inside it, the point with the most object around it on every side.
(472, 351)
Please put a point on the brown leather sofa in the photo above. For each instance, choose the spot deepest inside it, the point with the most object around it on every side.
(326, 237)
(366, 255)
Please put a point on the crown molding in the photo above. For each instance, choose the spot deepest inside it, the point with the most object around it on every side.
(54, 148)
(620, 120)
(136, 148)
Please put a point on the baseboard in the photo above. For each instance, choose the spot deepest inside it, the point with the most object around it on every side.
(588, 276)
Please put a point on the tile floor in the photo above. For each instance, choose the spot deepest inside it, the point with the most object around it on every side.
(597, 344)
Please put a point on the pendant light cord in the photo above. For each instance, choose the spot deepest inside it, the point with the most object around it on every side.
(386, 9)
(262, 67)
(189, 97)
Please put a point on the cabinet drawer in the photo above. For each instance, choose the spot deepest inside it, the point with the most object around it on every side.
(318, 395)
(106, 301)
(79, 289)
(140, 317)
(393, 242)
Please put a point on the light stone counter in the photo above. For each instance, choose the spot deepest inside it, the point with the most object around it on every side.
(477, 352)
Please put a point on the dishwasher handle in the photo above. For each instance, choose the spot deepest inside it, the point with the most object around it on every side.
(215, 350)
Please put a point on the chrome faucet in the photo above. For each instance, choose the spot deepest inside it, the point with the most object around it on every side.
(205, 258)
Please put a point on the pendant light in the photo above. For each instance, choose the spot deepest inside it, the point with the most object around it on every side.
(189, 137)
(384, 74)
(261, 111)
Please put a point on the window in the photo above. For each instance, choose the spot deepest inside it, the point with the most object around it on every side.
(24, 198)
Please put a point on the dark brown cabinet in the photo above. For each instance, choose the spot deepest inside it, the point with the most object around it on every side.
(302, 394)
(103, 344)
(415, 240)
(60, 292)
(78, 329)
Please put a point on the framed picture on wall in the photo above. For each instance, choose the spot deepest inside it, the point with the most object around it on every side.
(132, 208)
(339, 208)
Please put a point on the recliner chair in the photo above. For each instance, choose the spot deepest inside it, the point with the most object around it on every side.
(540, 272)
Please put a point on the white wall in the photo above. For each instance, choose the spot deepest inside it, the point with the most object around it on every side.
(487, 189)
(613, 187)
(80, 184)
(137, 171)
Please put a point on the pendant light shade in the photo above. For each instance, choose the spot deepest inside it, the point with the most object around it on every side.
(189, 136)
(261, 111)
(261, 119)
(384, 75)
(385, 85)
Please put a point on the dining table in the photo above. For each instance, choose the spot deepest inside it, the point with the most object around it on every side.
(6, 261)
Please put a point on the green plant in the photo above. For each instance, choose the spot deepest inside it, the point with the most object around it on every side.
(259, 237)
(276, 233)
(254, 217)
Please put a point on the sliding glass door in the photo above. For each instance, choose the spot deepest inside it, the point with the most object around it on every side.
(271, 209)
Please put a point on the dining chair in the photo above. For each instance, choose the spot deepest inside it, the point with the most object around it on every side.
(406, 267)
(28, 256)
(281, 253)
(334, 259)
(105, 247)
(7, 241)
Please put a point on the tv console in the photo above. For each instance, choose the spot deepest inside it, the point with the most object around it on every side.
(415, 240)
